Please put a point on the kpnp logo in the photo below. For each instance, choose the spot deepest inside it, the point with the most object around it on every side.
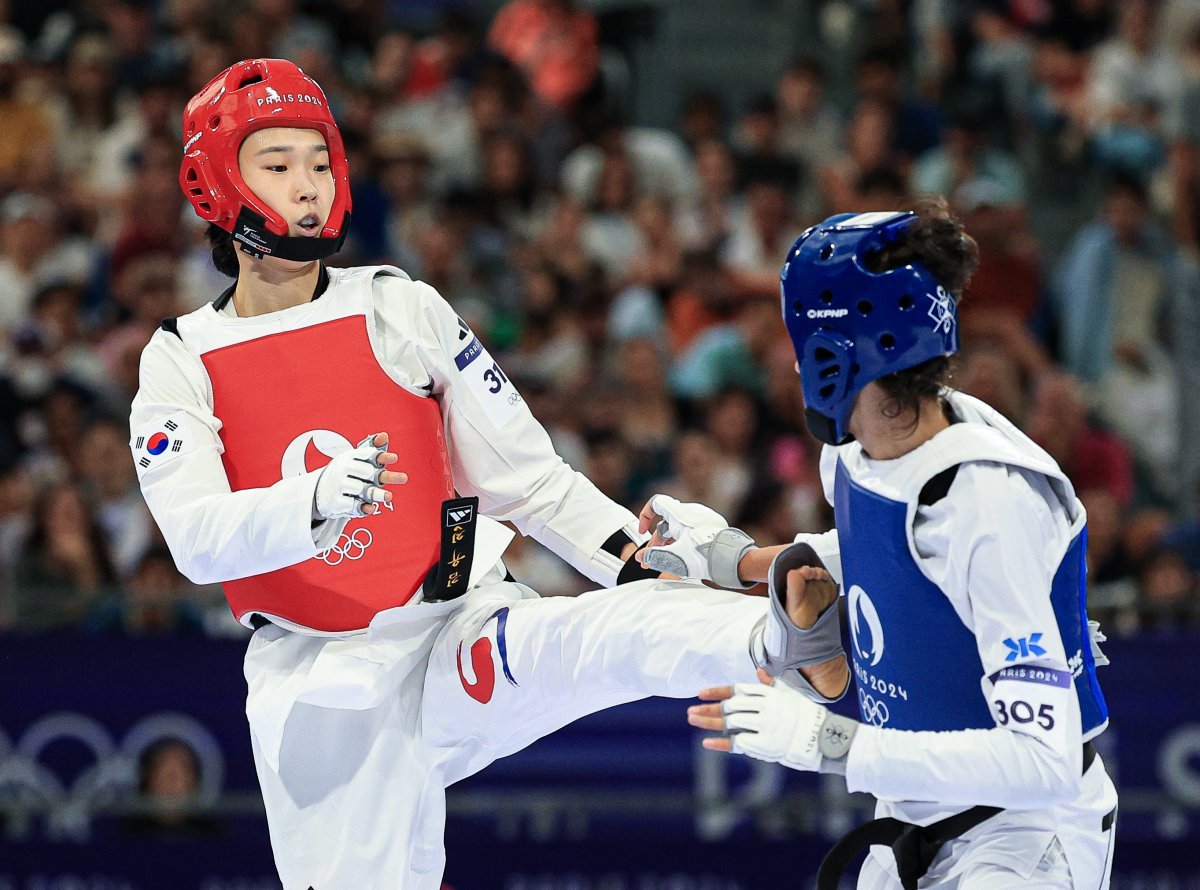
(865, 626)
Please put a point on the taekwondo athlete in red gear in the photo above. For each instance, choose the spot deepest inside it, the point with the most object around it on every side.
(959, 546)
(298, 441)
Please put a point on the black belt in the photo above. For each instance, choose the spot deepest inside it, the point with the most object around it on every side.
(914, 846)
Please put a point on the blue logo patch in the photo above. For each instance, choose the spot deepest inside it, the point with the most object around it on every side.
(471, 352)
(1023, 647)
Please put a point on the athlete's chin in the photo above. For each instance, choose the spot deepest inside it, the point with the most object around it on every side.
(282, 265)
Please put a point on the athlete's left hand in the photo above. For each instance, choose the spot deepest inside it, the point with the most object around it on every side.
(767, 721)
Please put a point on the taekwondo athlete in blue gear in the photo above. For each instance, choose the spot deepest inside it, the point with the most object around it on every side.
(959, 547)
(850, 326)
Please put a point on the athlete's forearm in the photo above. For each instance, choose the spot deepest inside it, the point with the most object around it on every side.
(754, 566)
(990, 767)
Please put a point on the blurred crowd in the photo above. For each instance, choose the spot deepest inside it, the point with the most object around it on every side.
(626, 276)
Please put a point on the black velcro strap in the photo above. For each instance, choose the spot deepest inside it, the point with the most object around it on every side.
(1089, 756)
(937, 487)
(1107, 822)
(634, 570)
(171, 326)
(617, 542)
(450, 575)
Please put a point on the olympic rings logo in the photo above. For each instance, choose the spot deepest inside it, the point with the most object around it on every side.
(349, 546)
(874, 711)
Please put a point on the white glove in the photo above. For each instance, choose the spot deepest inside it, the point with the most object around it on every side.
(704, 545)
(780, 725)
(350, 482)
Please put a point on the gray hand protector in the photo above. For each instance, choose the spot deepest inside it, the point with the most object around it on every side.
(718, 557)
(777, 644)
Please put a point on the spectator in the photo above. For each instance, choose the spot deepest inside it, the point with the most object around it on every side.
(111, 484)
(914, 124)
(703, 475)
(1182, 128)
(64, 564)
(1131, 82)
(965, 155)
(553, 43)
(33, 254)
(1009, 278)
(16, 505)
(702, 120)
(403, 162)
(810, 130)
(1091, 456)
(868, 138)
(609, 235)
(168, 787)
(761, 235)
(707, 219)
(152, 603)
(87, 106)
(757, 138)
(26, 134)
(1115, 287)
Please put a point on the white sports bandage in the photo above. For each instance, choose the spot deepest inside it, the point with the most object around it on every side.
(704, 545)
(350, 480)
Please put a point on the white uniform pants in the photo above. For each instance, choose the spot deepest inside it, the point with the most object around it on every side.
(1016, 850)
(355, 740)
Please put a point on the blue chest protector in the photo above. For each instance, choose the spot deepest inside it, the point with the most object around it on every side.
(916, 664)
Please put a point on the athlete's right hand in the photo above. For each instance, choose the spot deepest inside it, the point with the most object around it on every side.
(352, 483)
(692, 541)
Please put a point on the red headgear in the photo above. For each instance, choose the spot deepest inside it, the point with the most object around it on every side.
(245, 97)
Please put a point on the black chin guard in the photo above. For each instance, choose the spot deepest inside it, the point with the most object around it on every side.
(823, 427)
(250, 231)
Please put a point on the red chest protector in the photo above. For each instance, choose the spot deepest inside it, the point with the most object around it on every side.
(286, 409)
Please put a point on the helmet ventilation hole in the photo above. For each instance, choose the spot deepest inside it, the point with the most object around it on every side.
(864, 307)
(214, 122)
(826, 251)
(887, 341)
(827, 390)
(826, 297)
(797, 307)
(906, 302)
(822, 354)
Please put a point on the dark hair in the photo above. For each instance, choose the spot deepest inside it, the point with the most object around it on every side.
(1123, 182)
(936, 240)
(811, 66)
(153, 753)
(881, 54)
(224, 254)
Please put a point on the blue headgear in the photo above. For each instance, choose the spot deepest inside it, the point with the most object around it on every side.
(849, 325)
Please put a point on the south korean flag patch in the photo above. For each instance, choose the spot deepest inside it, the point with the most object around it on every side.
(161, 441)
